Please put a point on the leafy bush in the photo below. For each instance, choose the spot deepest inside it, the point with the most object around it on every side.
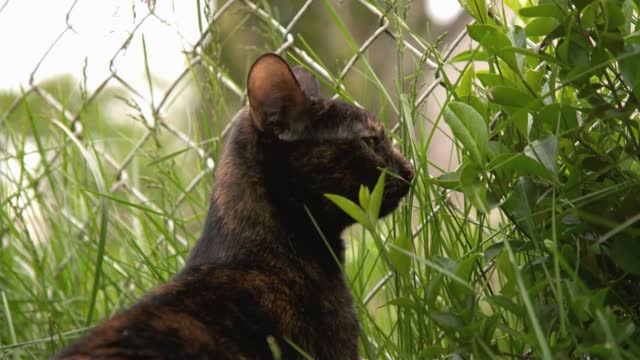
(539, 260)
(561, 100)
(550, 141)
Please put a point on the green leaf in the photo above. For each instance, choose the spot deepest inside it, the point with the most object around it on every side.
(598, 299)
(521, 203)
(350, 208)
(433, 289)
(613, 42)
(533, 55)
(614, 15)
(492, 251)
(490, 80)
(470, 55)
(508, 96)
(629, 11)
(433, 352)
(495, 41)
(449, 180)
(574, 51)
(464, 270)
(518, 38)
(363, 197)
(545, 151)
(579, 307)
(580, 4)
(8, 317)
(534, 79)
(541, 26)
(480, 104)
(589, 13)
(628, 63)
(375, 201)
(476, 8)
(469, 127)
(401, 261)
(545, 10)
(446, 320)
(406, 303)
(504, 302)
(464, 85)
(510, 164)
(559, 117)
(514, 5)
(474, 188)
(625, 251)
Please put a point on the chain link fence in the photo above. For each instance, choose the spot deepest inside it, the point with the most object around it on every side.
(104, 176)
(376, 24)
(70, 148)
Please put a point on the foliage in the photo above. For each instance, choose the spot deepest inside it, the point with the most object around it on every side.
(561, 99)
(538, 260)
(550, 141)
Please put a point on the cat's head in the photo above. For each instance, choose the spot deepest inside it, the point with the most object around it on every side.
(313, 146)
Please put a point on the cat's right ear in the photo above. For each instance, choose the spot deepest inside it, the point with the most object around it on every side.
(275, 98)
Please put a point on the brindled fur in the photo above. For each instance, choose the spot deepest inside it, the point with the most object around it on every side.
(261, 268)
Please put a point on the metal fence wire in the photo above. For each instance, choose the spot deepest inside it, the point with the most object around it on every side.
(374, 23)
(104, 179)
(72, 150)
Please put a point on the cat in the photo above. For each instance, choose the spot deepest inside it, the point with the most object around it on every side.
(262, 274)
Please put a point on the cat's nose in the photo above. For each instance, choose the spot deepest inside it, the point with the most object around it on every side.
(407, 172)
(410, 173)
(405, 169)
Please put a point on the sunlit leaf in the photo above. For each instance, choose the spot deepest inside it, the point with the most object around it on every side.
(474, 188)
(495, 41)
(469, 128)
(545, 151)
(541, 26)
(350, 208)
(375, 201)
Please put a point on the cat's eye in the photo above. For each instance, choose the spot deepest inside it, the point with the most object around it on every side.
(370, 141)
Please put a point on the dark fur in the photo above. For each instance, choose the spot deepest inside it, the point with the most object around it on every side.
(261, 269)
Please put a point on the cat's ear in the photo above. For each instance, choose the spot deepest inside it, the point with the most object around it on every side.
(275, 98)
(307, 82)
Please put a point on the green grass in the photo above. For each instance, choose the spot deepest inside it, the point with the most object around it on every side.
(547, 273)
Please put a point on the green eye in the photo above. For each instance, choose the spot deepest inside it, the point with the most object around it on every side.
(370, 141)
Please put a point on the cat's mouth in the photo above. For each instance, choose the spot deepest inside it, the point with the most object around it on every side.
(393, 193)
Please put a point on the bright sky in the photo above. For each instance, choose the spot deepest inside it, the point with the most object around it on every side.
(29, 27)
(442, 12)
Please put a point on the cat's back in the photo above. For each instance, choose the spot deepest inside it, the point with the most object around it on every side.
(218, 312)
(268, 263)
(207, 312)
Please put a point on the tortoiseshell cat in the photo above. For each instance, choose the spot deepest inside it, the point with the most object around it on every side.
(261, 269)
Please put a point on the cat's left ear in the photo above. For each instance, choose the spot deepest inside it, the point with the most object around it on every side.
(307, 82)
(276, 100)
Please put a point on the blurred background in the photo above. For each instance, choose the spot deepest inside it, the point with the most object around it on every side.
(128, 76)
(112, 117)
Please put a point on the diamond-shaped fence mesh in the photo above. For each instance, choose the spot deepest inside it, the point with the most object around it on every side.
(361, 29)
(105, 173)
(131, 139)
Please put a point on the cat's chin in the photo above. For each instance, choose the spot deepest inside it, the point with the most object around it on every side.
(393, 194)
(388, 206)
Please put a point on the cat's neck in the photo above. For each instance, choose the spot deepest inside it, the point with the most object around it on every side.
(247, 224)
